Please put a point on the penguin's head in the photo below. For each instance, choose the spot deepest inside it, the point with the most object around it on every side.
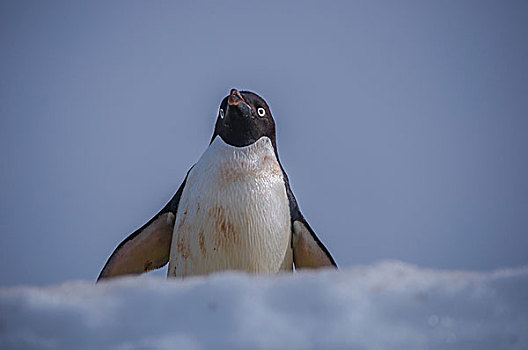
(243, 118)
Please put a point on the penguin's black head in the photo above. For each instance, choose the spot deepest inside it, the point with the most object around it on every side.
(243, 118)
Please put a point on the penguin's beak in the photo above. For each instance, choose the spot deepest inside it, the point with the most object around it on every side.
(237, 100)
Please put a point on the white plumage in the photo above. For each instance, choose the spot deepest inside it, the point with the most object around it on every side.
(233, 213)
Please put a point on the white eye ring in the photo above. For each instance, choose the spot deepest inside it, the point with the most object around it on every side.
(221, 113)
(261, 112)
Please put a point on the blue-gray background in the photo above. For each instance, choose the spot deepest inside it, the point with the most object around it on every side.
(403, 125)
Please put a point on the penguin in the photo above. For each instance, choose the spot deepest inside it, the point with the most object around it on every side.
(235, 209)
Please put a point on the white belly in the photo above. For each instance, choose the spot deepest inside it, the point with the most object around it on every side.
(233, 213)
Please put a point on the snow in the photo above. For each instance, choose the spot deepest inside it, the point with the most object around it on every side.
(390, 305)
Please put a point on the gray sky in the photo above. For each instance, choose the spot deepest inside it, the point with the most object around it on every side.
(403, 126)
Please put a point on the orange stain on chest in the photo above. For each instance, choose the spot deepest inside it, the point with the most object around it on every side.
(222, 233)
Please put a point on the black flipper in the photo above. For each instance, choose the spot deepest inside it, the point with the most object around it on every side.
(148, 248)
(308, 251)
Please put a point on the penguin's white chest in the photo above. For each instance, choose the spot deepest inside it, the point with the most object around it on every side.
(233, 213)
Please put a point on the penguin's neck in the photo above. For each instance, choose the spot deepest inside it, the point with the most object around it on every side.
(255, 159)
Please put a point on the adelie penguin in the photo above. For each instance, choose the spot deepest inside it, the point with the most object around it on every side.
(234, 211)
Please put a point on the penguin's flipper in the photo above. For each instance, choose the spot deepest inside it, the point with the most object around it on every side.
(148, 248)
(308, 251)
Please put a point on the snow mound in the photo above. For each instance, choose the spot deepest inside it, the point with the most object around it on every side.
(390, 305)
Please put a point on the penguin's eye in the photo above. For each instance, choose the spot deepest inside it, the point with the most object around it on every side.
(261, 112)
(221, 113)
